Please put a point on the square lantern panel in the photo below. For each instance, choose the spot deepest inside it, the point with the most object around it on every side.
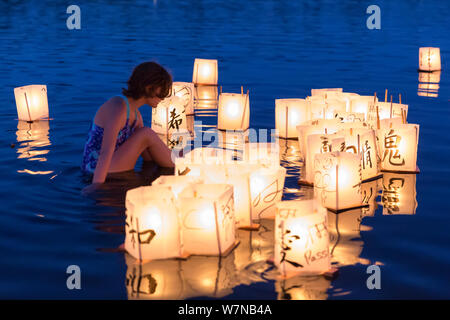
(317, 107)
(345, 96)
(31, 102)
(176, 183)
(185, 91)
(429, 59)
(169, 117)
(205, 72)
(398, 147)
(301, 238)
(399, 194)
(208, 219)
(233, 112)
(152, 229)
(327, 126)
(337, 180)
(289, 113)
(334, 107)
(364, 104)
(392, 110)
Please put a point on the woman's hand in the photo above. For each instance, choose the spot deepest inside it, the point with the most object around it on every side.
(91, 188)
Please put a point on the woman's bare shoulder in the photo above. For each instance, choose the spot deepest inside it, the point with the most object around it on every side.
(114, 108)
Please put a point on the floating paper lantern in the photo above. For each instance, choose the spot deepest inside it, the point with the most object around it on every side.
(185, 91)
(364, 104)
(169, 116)
(301, 238)
(363, 142)
(317, 107)
(267, 185)
(399, 193)
(208, 219)
(289, 113)
(427, 94)
(398, 146)
(31, 102)
(234, 111)
(152, 229)
(337, 180)
(429, 59)
(205, 72)
(327, 126)
(320, 143)
(324, 91)
(345, 96)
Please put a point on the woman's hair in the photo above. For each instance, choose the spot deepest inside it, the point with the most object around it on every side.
(152, 75)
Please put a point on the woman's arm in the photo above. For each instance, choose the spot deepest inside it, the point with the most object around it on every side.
(115, 115)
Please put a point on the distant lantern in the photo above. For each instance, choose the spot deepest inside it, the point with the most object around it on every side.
(363, 142)
(399, 193)
(429, 59)
(31, 102)
(289, 113)
(267, 184)
(185, 91)
(177, 183)
(320, 143)
(234, 111)
(337, 180)
(152, 229)
(398, 147)
(205, 72)
(169, 116)
(301, 238)
(208, 219)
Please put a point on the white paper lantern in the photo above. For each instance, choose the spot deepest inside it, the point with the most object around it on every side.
(152, 229)
(327, 126)
(185, 91)
(289, 113)
(429, 59)
(399, 194)
(337, 180)
(169, 116)
(208, 219)
(398, 146)
(234, 111)
(345, 96)
(301, 238)
(205, 72)
(31, 102)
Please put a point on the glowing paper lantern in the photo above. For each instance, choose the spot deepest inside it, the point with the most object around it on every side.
(364, 104)
(31, 102)
(327, 126)
(398, 146)
(399, 193)
(234, 111)
(429, 59)
(363, 142)
(152, 229)
(169, 116)
(337, 180)
(317, 107)
(392, 110)
(208, 219)
(176, 183)
(333, 107)
(289, 113)
(185, 91)
(205, 72)
(301, 238)
(345, 96)
(267, 185)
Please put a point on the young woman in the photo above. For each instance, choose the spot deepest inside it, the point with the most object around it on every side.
(117, 136)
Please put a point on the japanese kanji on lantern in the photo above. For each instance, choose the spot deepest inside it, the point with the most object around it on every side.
(234, 111)
(31, 102)
(208, 219)
(327, 126)
(152, 229)
(185, 91)
(169, 117)
(289, 113)
(363, 141)
(337, 180)
(398, 147)
(301, 238)
(399, 193)
(429, 59)
(205, 72)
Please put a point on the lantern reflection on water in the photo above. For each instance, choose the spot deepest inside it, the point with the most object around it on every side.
(206, 96)
(337, 180)
(233, 112)
(399, 193)
(429, 83)
(301, 238)
(205, 72)
(429, 59)
(208, 218)
(152, 229)
(31, 102)
(289, 113)
(32, 137)
(185, 91)
(303, 288)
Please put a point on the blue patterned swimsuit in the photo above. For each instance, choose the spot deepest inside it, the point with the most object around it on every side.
(95, 138)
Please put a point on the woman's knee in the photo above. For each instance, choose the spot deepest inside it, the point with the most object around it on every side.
(146, 134)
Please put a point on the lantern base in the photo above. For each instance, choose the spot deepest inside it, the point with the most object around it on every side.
(405, 172)
(429, 71)
(305, 183)
(373, 178)
(348, 209)
(252, 227)
(224, 254)
(284, 138)
(234, 130)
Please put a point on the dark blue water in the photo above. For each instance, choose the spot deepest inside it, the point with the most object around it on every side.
(274, 48)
